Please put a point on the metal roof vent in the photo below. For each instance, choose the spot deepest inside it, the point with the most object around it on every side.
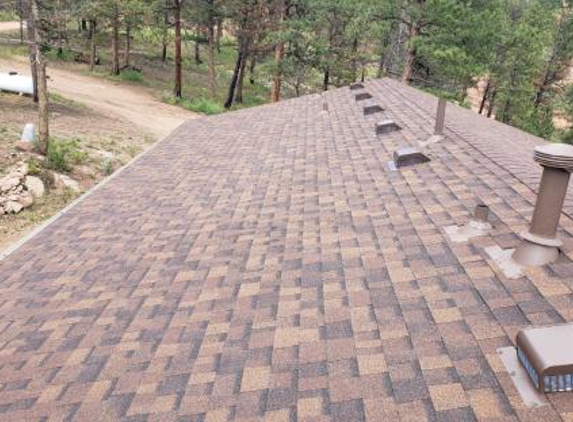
(439, 126)
(540, 244)
(546, 355)
(356, 86)
(477, 226)
(440, 117)
(409, 156)
(372, 109)
(363, 96)
(386, 126)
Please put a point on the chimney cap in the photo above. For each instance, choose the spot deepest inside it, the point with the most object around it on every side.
(555, 155)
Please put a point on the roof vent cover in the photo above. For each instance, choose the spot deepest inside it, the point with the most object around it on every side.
(409, 156)
(363, 96)
(545, 353)
(372, 109)
(356, 86)
(386, 126)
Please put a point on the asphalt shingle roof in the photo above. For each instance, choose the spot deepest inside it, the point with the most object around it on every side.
(266, 265)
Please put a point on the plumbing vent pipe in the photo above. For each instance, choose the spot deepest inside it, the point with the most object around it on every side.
(363, 96)
(540, 244)
(440, 117)
(481, 213)
(372, 109)
(386, 126)
(356, 86)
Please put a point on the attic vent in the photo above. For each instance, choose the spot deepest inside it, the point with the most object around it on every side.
(363, 96)
(545, 353)
(386, 126)
(372, 109)
(409, 156)
(540, 244)
(356, 86)
(325, 106)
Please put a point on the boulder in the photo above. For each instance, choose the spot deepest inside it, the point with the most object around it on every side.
(26, 199)
(13, 207)
(9, 182)
(66, 182)
(35, 186)
(25, 146)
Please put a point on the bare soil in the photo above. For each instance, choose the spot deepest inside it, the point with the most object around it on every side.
(106, 118)
(134, 104)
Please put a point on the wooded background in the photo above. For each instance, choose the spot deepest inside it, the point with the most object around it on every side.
(517, 52)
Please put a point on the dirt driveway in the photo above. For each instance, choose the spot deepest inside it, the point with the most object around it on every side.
(131, 103)
(9, 26)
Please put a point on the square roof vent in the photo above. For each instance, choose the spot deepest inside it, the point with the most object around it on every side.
(386, 126)
(546, 353)
(409, 156)
(372, 109)
(363, 96)
(356, 86)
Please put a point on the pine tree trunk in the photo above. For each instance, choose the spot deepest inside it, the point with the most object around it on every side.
(235, 78)
(165, 31)
(355, 57)
(127, 54)
(212, 39)
(43, 117)
(326, 80)
(21, 18)
(279, 57)
(485, 96)
(115, 70)
(252, 67)
(197, 52)
(408, 70)
(178, 90)
(491, 106)
(241, 81)
(31, 30)
(93, 44)
(381, 67)
(219, 34)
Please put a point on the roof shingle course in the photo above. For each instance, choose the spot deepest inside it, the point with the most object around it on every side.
(267, 264)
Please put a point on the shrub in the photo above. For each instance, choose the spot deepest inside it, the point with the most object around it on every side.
(63, 154)
(131, 76)
(107, 165)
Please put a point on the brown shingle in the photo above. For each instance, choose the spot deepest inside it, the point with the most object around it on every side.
(265, 265)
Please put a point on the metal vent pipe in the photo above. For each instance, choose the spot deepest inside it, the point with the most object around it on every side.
(540, 244)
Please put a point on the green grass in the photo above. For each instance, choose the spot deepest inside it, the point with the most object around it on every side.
(8, 16)
(199, 105)
(8, 51)
(132, 76)
(60, 100)
(66, 55)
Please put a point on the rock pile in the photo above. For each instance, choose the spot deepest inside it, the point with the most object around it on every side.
(18, 190)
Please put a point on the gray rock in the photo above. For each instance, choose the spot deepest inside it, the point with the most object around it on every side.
(8, 183)
(66, 182)
(13, 207)
(26, 200)
(35, 186)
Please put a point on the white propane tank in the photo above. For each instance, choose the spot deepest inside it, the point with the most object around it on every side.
(16, 83)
